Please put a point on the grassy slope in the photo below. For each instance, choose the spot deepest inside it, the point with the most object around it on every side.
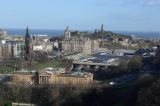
(33, 66)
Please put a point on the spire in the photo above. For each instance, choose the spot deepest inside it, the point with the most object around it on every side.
(27, 33)
(67, 33)
(102, 27)
(27, 29)
(28, 44)
(102, 33)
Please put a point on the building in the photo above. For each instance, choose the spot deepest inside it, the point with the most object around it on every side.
(53, 77)
(41, 38)
(5, 51)
(3, 33)
(77, 43)
(158, 52)
(67, 33)
(17, 47)
(47, 47)
(56, 44)
(22, 104)
(24, 46)
(37, 47)
(42, 43)
(66, 79)
(94, 46)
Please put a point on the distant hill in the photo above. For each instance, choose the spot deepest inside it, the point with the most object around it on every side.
(106, 34)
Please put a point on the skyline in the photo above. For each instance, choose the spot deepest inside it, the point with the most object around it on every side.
(124, 15)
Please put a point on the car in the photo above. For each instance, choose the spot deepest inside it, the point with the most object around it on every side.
(111, 83)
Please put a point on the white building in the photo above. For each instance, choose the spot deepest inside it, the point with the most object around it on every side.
(37, 47)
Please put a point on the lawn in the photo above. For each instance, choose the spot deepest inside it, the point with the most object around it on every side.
(34, 65)
(37, 66)
(4, 69)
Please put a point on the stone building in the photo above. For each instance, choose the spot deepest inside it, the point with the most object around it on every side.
(48, 47)
(78, 43)
(3, 33)
(17, 47)
(37, 47)
(5, 51)
(42, 43)
(47, 77)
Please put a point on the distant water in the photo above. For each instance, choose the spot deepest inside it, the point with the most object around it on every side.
(147, 35)
(61, 33)
(36, 32)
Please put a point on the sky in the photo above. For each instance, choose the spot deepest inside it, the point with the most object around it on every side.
(119, 15)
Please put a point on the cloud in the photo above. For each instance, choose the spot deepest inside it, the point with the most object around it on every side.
(151, 2)
(147, 3)
(99, 3)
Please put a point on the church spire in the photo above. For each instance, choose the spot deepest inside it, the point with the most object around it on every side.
(27, 29)
(27, 33)
(28, 44)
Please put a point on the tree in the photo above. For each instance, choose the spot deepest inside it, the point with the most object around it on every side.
(135, 63)
(149, 96)
(1, 94)
(41, 56)
(67, 64)
(145, 80)
(42, 96)
(123, 66)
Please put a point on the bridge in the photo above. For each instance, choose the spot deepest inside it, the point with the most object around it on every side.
(95, 64)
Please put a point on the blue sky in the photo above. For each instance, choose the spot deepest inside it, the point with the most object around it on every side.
(121, 15)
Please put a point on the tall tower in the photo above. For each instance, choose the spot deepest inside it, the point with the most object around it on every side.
(28, 44)
(102, 33)
(67, 33)
(102, 28)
